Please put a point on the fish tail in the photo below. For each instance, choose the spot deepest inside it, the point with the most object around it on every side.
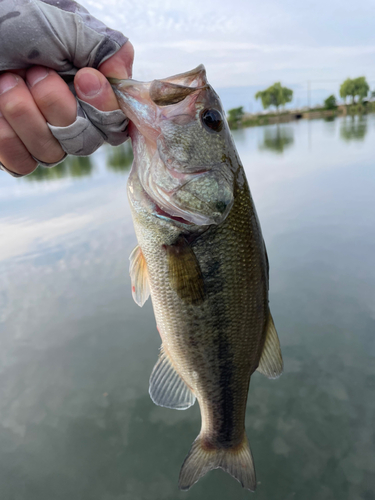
(237, 461)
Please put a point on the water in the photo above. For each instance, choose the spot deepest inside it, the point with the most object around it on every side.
(76, 421)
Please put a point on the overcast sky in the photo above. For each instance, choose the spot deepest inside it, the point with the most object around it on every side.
(247, 42)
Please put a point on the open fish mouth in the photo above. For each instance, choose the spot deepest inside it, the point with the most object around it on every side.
(164, 215)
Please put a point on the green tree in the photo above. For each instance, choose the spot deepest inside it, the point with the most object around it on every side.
(276, 95)
(330, 102)
(235, 116)
(354, 87)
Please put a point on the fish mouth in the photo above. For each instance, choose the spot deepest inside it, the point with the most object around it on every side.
(165, 215)
(186, 204)
(162, 214)
(164, 201)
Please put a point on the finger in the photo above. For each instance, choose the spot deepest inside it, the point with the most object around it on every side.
(119, 65)
(52, 96)
(13, 154)
(93, 87)
(19, 72)
(21, 112)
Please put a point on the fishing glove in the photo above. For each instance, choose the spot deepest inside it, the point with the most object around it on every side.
(62, 35)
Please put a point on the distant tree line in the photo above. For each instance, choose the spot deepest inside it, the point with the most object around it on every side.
(351, 87)
(276, 95)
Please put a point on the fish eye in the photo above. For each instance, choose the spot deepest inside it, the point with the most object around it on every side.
(212, 120)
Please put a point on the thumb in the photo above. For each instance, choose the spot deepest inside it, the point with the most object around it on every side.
(120, 65)
(93, 87)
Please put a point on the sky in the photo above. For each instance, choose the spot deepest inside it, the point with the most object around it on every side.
(247, 43)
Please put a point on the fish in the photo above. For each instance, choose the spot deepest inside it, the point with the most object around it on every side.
(202, 258)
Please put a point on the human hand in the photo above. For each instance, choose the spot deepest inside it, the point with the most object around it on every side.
(42, 41)
(31, 98)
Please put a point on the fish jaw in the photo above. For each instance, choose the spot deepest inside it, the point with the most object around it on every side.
(189, 173)
(149, 207)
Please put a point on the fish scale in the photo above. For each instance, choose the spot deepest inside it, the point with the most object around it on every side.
(235, 307)
(206, 270)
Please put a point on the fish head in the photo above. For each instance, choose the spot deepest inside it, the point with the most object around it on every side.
(182, 145)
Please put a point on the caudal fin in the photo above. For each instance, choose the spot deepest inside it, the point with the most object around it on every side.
(237, 461)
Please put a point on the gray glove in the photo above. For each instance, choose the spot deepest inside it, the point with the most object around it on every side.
(62, 35)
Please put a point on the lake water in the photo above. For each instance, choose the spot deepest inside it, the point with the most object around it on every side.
(76, 420)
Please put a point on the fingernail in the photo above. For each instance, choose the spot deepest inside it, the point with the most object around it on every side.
(36, 74)
(7, 82)
(129, 70)
(89, 84)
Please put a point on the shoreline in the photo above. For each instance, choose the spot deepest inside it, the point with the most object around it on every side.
(259, 119)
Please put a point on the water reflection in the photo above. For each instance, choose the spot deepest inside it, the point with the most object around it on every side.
(76, 421)
(72, 166)
(277, 139)
(120, 158)
(353, 128)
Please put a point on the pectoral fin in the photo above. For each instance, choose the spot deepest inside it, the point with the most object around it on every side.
(185, 276)
(167, 387)
(271, 361)
(139, 276)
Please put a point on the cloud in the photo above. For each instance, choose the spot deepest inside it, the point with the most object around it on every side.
(27, 235)
(201, 45)
(246, 42)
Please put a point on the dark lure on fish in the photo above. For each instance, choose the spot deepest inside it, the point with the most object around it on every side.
(202, 257)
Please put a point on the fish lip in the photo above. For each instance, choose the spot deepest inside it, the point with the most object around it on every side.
(162, 214)
(177, 174)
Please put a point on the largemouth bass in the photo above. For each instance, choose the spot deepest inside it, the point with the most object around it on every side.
(202, 257)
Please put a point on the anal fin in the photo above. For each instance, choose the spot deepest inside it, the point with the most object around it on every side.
(167, 387)
(139, 276)
(271, 361)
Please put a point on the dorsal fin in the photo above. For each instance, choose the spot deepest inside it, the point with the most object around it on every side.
(167, 387)
(271, 361)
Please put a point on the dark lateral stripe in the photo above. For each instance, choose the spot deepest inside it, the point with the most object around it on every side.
(227, 396)
(224, 406)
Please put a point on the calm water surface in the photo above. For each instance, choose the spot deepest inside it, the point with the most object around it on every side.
(76, 421)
